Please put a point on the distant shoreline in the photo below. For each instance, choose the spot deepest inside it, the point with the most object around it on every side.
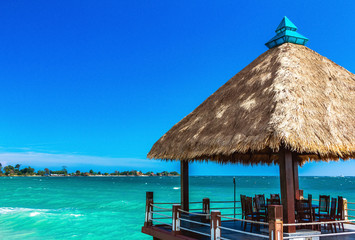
(169, 176)
(91, 176)
(16, 171)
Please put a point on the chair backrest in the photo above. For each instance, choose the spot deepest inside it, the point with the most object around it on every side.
(260, 202)
(304, 210)
(340, 212)
(248, 205)
(324, 202)
(303, 205)
(242, 202)
(275, 199)
(275, 196)
(333, 208)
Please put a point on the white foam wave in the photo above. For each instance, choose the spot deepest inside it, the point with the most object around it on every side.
(32, 212)
(10, 210)
(76, 215)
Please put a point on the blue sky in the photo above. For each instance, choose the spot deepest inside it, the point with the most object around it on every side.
(93, 84)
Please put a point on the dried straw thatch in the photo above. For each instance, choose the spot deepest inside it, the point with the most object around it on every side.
(290, 96)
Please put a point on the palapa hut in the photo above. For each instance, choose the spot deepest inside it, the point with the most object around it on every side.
(289, 106)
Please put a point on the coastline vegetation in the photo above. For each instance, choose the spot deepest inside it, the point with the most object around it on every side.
(16, 170)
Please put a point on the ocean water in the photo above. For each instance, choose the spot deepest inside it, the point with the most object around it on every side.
(113, 207)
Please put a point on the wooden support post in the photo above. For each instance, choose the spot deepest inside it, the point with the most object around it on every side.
(295, 177)
(215, 223)
(184, 177)
(275, 222)
(206, 207)
(148, 209)
(176, 218)
(287, 188)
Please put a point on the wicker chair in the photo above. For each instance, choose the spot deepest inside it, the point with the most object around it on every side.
(260, 207)
(331, 216)
(260, 203)
(304, 213)
(340, 212)
(323, 210)
(250, 214)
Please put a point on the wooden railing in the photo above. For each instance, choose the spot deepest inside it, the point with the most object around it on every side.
(211, 217)
(173, 217)
(347, 209)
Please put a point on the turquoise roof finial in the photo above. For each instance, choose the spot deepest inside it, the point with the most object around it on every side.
(286, 32)
(287, 24)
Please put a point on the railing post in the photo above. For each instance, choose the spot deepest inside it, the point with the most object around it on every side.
(176, 218)
(206, 207)
(148, 209)
(275, 222)
(215, 223)
(345, 209)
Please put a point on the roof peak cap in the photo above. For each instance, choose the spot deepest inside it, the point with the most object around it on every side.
(286, 32)
(286, 24)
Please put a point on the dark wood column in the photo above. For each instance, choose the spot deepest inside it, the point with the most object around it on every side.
(287, 188)
(184, 178)
(295, 176)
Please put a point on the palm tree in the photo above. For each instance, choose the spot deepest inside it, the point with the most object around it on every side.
(64, 169)
(17, 168)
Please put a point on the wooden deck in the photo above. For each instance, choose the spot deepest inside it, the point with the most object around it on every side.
(163, 232)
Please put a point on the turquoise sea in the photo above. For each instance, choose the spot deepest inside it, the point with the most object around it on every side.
(113, 207)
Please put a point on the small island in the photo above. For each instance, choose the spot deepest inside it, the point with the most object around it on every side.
(16, 170)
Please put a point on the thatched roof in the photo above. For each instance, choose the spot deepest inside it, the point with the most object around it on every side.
(290, 96)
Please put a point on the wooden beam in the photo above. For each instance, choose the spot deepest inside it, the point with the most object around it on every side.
(184, 178)
(287, 189)
(295, 177)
